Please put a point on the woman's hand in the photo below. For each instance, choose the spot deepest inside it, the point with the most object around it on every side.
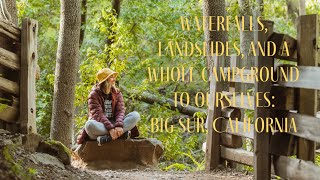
(113, 134)
(119, 131)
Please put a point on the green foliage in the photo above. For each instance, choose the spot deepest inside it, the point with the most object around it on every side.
(199, 165)
(135, 36)
(16, 167)
(317, 161)
(177, 167)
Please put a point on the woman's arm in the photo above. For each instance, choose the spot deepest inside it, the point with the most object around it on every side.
(120, 110)
(96, 111)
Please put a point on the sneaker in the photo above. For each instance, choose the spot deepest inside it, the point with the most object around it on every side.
(126, 135)
(103, 139)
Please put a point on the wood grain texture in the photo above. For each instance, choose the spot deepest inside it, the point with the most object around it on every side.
(29, 58)
(9, 86)
(213, 138)
(262, 159)
(9, 59)
(307, 38)
(238, 155)
(295, 169)
(8, 113)
(307, 126)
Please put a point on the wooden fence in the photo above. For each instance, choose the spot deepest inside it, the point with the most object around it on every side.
(18, 63)
(289, 155)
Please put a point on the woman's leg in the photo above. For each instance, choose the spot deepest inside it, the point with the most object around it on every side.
(130, 120)
(95, 129)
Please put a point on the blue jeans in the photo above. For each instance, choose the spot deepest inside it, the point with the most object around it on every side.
(95, 128)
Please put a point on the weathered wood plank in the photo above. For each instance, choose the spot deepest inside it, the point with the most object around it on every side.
(284, 99)
(9, 86)
(10, 28)
(10, 44)
(8, 113)
(8, 34)
(237, 155)
(239, 101)
(307, 126)
(231, 141)
(9, 59)
(306, 78)
(281, 51)
(10, 31)
(231, 112)
(29, 58)
(295, 169)
(262, 158)
(212, 158)
(307, 37)
(245, 129)
(239, 78)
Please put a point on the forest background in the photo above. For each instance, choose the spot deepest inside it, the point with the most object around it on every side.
(128, 43)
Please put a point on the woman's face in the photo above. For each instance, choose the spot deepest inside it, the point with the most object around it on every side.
(111, 80)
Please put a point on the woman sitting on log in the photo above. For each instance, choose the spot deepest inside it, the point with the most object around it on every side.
(107, 121)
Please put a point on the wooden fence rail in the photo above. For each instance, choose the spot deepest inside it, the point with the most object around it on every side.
(18, 62)
(292, 100)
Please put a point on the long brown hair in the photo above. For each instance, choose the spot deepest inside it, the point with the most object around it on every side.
(107, 88)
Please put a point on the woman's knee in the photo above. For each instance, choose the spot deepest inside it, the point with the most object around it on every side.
(89, 125)
(136, 115)
(132, 118)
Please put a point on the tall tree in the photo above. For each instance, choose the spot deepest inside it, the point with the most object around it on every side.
(65, 73)
(12, 9)
(293, 9)
(302, 7)
(83, 20)
(260, 4)
(213, 8)
(245, 36)
(4, 14)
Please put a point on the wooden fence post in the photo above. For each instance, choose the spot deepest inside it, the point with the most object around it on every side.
(213, 138)
(308, 48)
(262, 158)
(29, 58)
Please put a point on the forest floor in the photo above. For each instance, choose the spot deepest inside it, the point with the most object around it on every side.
(147, 174)
(157, 174)
(18, 163)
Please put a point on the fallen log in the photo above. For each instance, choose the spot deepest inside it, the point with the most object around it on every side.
(151, 99)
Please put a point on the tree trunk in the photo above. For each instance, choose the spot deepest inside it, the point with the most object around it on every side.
(116, 7)
(4, 13)
(151, 99)
(12, 9)
(83, 21)
(302, 7)
(260, 4)
(293, 9)
(213, 8)
(246, 37)
(66, 70)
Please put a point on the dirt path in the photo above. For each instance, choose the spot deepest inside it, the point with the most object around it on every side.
(149, 174)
